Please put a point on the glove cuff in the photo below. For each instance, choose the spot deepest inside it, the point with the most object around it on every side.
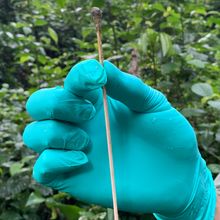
(202, 205)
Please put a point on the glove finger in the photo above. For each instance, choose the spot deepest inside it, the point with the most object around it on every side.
(85, 79)
(58, 103)
(53, 163)
(131, 91)
(46, 134)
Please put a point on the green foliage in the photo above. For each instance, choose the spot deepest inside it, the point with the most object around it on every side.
(178, 45)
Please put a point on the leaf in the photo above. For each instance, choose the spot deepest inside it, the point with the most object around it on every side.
(14, 185)
(110, 214)
(197, 63)
(89, 56)
(24, 58)
(42, 59)
(217, 135)
(34, 199)
(197, 56)
(98, 3)
(215, 104)
(82, 44)
(40, 22)
(158, 6)
(202, 89)
(200, 10)
(142, 42)
(69, 211)
(115, 57)
(61, 3)
(165, 43)
(27, 30)
(205, 38)
(10, 35)
(213, 20)
(27, 158)
(217, 55)
(53, 34)
(217, 184)
(170, 67)
(215, 168)
(16, 168)
(86, 215)
(152, 36)
(86, 31)
(10, 214)
(189, 112)
(206, 139)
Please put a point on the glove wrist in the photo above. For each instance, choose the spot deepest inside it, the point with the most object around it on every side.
(202, 205)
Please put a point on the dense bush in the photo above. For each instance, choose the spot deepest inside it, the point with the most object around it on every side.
(174, 46)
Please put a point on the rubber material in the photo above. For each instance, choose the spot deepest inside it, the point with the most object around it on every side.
(158, 167)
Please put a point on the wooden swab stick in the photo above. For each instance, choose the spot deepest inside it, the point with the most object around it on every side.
(97, 14)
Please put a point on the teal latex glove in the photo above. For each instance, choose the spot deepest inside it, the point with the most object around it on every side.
(158, 168)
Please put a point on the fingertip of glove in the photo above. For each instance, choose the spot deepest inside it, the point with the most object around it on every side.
(86, 75)
(77, 141)
(79, 158)
(88, 113)
(110, 67)
(52, 162)
(39, 99)
(26, 135)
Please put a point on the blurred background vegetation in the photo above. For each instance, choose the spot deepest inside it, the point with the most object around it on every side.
(172, 45)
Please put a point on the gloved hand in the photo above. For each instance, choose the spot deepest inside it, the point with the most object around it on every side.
(158, 168)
